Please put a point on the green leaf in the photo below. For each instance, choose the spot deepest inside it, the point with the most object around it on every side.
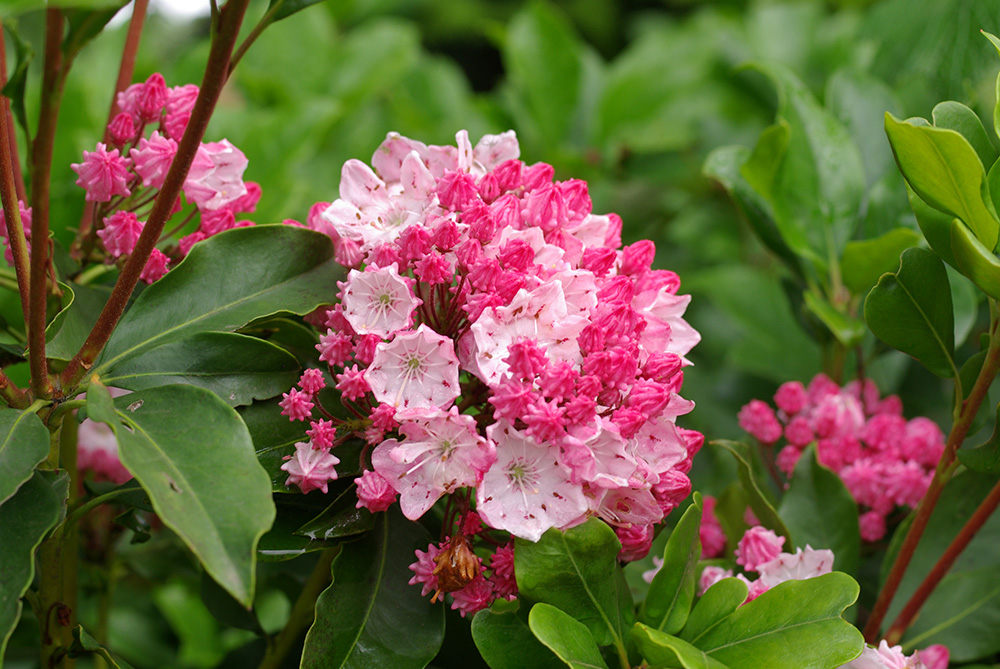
(956, 116)
(226, 282)
(341, 519)
(60, 306)
(505, 642)
(286, 8)
(819, 511)
(539, 34)
(794, 625)
(725, 166)
(996, 107)
(964, 609)
(370, 616)
(911, 310)
(568, 638)
(78, 320)
(237, 368)
(25, 519)
(668, 601)
(718, 603)
(183, 444)
(24, 443)
(274, 437)
(664, 650)
(83, 643)
(848, 331)
(944, 170)
(984, 458)
(18, 79)
(935, 226)
(84, 25)
(762, 507)
(576, 571)
(974, 260)
(866, 260)
(819, 185)
(761, 168)
(281, 543)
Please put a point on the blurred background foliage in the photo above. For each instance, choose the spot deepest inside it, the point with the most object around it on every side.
(631, 96)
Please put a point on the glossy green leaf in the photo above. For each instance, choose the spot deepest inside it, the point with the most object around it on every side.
(911, 310)
(342, 518)
(866, 260)
(761, 168)
(505, 641)
(819, 511)
(370, 616)
(718, 603)
(974, 260)
(576, 571)
(944, 170)
(179, 441)
(984, 458)
(25, 519)
(848, 331)
(668, 601)
(956, 116)
(663, 650)
(794, 625)
(274, 437)
(79, 319)
(539, 34)
(819, 185)
(935, 226)
(56, 309)
(237, 368)
(996, 107)
(725, 166)
(281, 543)
(85, 19)
(964, 610)
(568, 638)
(84, 644)
(24, 442)
(762, 507)
(285, 8)
(226, 282)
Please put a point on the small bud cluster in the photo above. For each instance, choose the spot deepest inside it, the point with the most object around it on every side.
(498, 346)
(884, 460)
(122, 178)
(892, 657)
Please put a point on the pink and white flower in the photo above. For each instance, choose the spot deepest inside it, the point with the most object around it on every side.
(417, 370)
(378, 301)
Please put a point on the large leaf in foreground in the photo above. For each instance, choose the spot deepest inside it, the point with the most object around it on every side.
(25, 518)
(224, 283)
(24, 442)
(912, 311)
(237, 368)
(505, 642)
(370, 616)
(663, 650)
(795, 625)
(567, 637)
(576, 570)
(668, 601)
(194, 456)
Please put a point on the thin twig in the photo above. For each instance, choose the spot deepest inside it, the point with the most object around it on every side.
(10, 132)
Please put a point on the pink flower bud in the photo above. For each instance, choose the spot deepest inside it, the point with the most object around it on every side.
(121, 129)
(374, 492)
(758, 545)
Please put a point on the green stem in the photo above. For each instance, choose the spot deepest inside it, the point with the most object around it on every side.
(57, 585)
(959, 430)
(302, 612)
(79, 512)
(225, 32)
(8, 136)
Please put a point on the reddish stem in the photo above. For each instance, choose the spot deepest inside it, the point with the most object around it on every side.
(53, 78)
(10, 132)
(216, 73)
(125, 73)
(941, 567)
(959, 431)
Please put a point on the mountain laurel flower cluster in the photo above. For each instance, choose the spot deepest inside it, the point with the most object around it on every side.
(122, 178)
(495, 343)
(883, 459)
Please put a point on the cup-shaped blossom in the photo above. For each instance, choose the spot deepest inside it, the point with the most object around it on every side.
(103, 174)
(378, 301)
(416, 370)
(885, 657)
(803, 564)
(441, 452)
(216, 175)
(310, 468)
(526, 492)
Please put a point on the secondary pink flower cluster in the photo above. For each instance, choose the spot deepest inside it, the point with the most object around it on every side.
(494, 335)
(123, 178)
(884, 460)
